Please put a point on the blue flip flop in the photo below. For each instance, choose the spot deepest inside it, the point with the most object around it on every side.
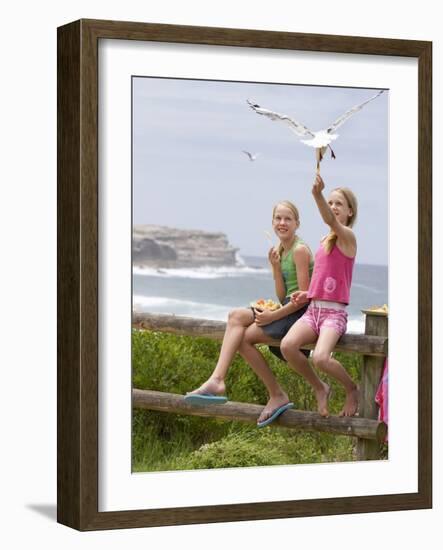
(275, 414)
(205, 399)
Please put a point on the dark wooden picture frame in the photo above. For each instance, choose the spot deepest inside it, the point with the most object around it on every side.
(78, 244)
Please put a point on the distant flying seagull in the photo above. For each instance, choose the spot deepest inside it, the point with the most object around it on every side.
(250, 155)
(320, 140)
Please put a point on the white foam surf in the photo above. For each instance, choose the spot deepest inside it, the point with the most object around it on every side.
(199, 310)
(199, 272)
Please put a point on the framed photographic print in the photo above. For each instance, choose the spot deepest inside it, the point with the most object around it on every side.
(198, 171)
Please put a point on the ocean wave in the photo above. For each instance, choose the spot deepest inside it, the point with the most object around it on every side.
(205, 272)
(239, 260)
(186, 308)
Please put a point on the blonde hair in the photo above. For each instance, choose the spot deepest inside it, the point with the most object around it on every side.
(294, 210)
(351, 199)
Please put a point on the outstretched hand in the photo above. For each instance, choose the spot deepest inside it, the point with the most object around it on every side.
(299, 297)
(318, 185)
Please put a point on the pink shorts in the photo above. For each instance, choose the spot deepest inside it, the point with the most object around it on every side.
(318, 317)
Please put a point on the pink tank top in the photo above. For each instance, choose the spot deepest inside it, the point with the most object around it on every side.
(332, 276)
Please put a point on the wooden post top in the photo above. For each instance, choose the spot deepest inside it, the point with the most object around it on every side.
(376, 323)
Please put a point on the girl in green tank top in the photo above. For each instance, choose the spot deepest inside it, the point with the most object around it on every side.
(289, 270)
(291, 264)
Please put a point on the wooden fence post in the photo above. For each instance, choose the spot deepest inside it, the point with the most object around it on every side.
(376, 325)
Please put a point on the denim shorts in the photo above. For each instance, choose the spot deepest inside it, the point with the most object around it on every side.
(278, 329)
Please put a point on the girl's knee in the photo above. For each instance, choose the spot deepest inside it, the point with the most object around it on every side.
(320, 359)
(288, 345)
(239, 316)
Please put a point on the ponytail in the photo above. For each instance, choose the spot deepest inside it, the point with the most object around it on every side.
(329, 242)
(351, 199)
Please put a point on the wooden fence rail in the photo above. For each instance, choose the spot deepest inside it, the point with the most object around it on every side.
(376, 346)
(245, 412)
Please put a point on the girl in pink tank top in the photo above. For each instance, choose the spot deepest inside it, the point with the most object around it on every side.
(325, 320)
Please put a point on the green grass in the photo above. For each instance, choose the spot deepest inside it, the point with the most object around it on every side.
(166, 441)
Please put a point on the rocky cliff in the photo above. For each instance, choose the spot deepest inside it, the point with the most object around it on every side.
(160, 246)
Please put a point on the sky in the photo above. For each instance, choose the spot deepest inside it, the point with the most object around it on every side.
(189, 170)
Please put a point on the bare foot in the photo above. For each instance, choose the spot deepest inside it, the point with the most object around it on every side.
(350, 407)
(212, 386)
(322, 397)
(273, 403)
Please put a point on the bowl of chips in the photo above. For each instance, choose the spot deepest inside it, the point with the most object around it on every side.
(262, 305)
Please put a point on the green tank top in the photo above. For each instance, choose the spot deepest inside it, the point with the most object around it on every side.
(288, 268)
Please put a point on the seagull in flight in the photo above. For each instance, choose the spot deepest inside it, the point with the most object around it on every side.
(321, 139)
(251, 156)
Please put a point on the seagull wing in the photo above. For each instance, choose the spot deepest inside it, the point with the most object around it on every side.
(296, 127)
(343, 118)
(248, 153)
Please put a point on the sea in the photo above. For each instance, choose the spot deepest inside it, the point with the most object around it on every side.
(211, 292)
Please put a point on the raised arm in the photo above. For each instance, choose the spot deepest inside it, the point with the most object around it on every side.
(345, 236)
